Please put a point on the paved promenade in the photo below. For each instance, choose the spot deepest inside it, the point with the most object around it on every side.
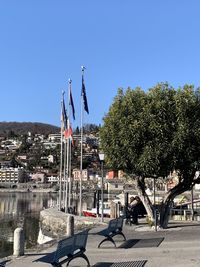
(178, 246)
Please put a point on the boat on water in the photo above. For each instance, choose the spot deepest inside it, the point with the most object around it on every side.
(93, 212)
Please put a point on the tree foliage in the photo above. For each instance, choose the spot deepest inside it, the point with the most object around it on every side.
(153, 133)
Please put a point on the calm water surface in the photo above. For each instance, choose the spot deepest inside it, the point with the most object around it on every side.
(22, 210)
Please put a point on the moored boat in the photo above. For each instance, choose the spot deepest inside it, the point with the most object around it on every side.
(93, 212)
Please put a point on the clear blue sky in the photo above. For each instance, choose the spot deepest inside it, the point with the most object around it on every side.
(121, 43)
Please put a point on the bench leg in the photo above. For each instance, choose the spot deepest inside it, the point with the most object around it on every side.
(82, 256)
(121, 235)
(108, 238)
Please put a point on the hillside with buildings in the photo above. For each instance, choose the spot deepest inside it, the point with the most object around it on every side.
(36, 156)
(33, 160)
(22, 128)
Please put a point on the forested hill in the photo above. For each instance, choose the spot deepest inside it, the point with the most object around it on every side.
(18, 128)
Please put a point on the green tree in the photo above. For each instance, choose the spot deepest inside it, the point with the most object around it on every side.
(151, 134)
(25, 146)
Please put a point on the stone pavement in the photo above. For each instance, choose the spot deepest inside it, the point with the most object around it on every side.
(177, 246)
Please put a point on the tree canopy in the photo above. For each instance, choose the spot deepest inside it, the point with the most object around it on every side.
(152, 133)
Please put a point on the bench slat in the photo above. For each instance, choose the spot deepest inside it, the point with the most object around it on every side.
(65, 247)
(81, 240)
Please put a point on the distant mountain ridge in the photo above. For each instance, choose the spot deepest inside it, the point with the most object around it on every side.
(25, 127)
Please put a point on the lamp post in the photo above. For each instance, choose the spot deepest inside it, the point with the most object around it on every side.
(101, 158)
(154, 202)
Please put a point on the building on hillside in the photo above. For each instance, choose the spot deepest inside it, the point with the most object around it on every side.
(112, 174)
(6, 164)
(49, 158)
(22, 157)
(49, 145)
(41, 169)
(39, 177)
(38, 137)
(13, 175)
(114, 186)
(53, 179)
(2, 152)
(77, 174)
(54, 138)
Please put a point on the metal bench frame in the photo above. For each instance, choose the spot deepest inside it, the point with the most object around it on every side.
(114, 228)
(71, 248)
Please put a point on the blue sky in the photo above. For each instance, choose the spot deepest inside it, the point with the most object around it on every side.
(121, 43)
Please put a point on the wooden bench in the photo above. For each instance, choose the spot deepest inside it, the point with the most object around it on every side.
(114, 228)
(68, 249)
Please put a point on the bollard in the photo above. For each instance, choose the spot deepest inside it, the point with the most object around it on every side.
(98, 201)
(95, 199)
(70, 225)
(126, 202)
(18, 245)
(118, 209)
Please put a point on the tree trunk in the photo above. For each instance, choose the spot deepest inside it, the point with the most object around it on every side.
(184, 185)
(140, 185)
(165, 212)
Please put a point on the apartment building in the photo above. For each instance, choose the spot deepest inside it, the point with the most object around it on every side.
(12, 175)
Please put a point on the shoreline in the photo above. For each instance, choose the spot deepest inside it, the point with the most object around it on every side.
(25, 190)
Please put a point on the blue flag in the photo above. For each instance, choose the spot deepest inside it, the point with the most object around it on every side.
(71, 102)
(83, 93)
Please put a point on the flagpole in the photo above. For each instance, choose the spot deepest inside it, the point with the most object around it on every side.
(70, 182)
(66, 181)
(68, 151)
(65, 173)
(81, 160)
(71, 103)
(61, 153)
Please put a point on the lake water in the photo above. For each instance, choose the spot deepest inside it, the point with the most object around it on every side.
(22, 210)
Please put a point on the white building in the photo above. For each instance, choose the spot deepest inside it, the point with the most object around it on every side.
(53, 179)
(77, 174)
(11, 175)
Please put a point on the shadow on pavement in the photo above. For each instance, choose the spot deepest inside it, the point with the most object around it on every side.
(141, 243)
(182, 225)
(3, 263)
(121, 264)
(48, 257)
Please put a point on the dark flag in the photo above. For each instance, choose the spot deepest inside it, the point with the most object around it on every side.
(64, 115)
(71, 102)
(83, 93)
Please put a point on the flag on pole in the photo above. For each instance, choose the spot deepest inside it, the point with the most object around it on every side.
(69, 134)
(83, 93)
(64, 115)
(71, 102)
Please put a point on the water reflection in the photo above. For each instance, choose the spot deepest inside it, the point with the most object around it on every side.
(22, 210)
